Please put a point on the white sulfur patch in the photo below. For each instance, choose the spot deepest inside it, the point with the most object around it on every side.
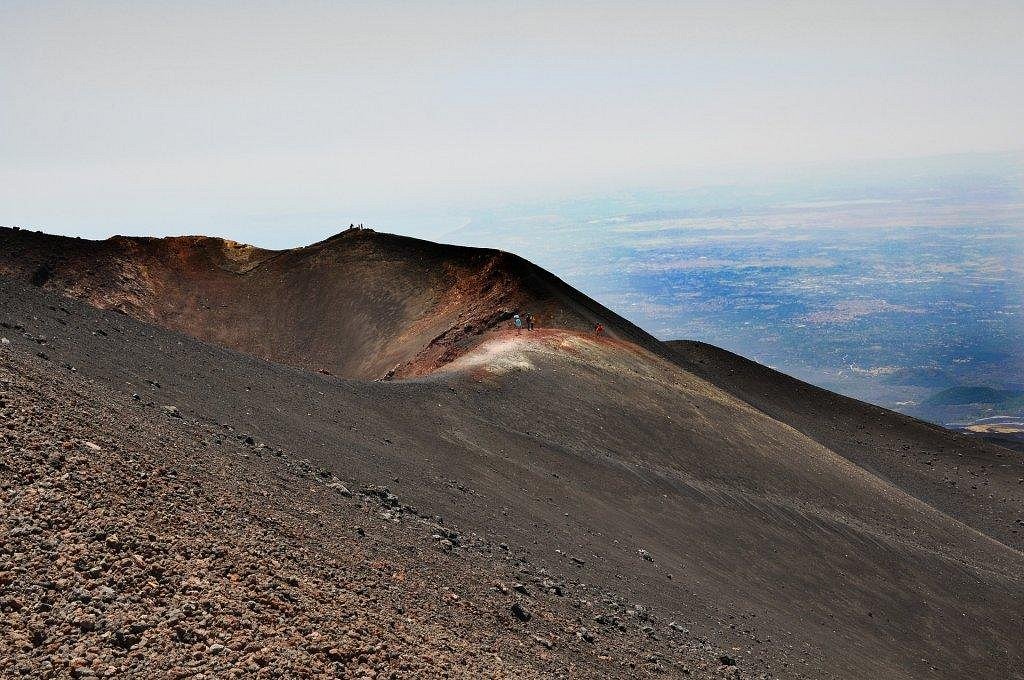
(498, 357)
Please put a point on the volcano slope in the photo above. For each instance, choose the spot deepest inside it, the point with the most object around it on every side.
(621, 484)
(360, 304)
(959, 474)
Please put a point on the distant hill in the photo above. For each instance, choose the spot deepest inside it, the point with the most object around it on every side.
(971, 394)
(933, 378)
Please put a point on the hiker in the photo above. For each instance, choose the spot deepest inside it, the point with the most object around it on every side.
(518, 321)
(529, 322)
(599, 329)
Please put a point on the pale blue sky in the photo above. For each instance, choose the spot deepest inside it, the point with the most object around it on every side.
(288, 119)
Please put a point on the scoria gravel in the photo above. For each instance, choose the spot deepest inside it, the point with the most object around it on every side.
(137, 543)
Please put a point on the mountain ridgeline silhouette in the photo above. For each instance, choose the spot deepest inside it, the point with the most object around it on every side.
(360, 304)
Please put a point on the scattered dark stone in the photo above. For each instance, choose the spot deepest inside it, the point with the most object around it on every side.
(521, 613)
(41, 275)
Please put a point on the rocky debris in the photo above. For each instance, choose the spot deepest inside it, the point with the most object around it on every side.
(175, 573)
(612, 621)
(210, 560)
(552, 587)
(171, 411)
(382, 494)
(644, 555)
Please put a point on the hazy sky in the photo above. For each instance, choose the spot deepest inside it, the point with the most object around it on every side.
(255, 117)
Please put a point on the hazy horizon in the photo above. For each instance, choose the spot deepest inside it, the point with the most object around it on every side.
(953, 179)
(272, 121)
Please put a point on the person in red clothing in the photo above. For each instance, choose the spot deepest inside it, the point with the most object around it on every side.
(599, 329)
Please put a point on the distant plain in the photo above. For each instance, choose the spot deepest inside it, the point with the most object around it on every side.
(900, 285)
